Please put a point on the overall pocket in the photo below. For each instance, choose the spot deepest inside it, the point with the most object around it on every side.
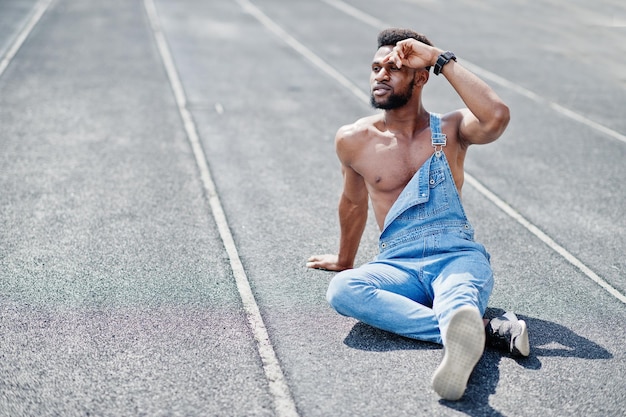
(437, 198)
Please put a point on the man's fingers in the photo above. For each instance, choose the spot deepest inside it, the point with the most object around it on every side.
(400, 51)
(314, 261)
(314, 265)
(397, 54)
(326, 262)
(317, 262)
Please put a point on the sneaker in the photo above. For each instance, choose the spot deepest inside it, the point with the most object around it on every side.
(465, 342)
(508, 333)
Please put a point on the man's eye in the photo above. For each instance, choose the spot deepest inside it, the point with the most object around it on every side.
(375, 69)
(394, 68)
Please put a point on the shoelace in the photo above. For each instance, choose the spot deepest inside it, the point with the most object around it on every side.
(506, 327)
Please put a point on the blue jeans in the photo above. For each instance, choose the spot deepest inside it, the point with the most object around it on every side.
(428, 266)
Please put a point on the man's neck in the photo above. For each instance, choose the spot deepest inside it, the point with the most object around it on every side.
(407, 121)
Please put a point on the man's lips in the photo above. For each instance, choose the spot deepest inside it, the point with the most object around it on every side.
(380, 89)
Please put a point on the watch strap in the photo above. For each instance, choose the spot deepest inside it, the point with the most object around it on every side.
(443, 60)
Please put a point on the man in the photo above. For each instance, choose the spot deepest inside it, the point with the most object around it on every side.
(431, 281)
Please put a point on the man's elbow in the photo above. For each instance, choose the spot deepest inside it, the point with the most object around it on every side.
(493, 128)
(501, 118)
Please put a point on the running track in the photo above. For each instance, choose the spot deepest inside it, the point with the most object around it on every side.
(166, 167)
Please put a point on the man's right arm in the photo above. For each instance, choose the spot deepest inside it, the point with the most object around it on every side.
(352, 216)
(352, 220)
(353, 208)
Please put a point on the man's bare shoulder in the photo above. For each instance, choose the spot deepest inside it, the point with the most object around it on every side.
(361, 128)
(351, 138)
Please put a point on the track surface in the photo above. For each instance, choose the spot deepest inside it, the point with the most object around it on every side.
(121, 291)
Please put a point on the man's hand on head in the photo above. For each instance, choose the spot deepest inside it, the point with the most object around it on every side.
(413, 54)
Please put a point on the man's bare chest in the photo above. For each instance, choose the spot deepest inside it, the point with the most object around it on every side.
(389, 166)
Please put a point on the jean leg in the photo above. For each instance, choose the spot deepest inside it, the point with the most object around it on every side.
(387, 297)
(465, 280)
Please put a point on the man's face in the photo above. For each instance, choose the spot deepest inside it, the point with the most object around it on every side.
(390, 87)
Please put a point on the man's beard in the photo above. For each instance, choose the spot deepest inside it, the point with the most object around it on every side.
(394, 101)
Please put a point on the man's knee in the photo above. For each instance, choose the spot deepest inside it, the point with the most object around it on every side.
(340, 291)
(335, 289)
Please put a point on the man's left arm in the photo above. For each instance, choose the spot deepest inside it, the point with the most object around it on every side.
(486, 115)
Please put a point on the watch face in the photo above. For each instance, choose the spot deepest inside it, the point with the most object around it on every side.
(449, 55)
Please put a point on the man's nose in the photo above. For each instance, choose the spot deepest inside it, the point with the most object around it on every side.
(381, 75)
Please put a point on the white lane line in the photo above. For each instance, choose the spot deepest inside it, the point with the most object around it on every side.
(331, 72)
(283, 402)
(483, 73)
(544, 238)
(303, 50)
(357, 14)
(39, 9)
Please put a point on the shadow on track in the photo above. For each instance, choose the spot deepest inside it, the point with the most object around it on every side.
(547, 339)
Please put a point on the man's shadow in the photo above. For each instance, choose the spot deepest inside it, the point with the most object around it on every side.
(546, 339)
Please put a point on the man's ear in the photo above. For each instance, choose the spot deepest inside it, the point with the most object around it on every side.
(421, 76)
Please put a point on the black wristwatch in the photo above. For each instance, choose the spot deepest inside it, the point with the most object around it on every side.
(443, 60)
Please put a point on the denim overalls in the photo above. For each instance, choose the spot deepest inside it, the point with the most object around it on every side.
(429, 264)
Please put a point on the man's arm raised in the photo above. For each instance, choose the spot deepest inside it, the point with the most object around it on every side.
(486, 115)
(353, 206)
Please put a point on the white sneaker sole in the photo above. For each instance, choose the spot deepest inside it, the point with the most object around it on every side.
(465, 343)
(521, 342)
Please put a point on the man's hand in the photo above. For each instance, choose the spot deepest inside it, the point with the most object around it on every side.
(413, 54)
(328, 262)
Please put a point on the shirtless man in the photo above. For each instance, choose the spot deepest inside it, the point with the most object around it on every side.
(431, 280)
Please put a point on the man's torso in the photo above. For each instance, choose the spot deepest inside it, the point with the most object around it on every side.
(387, 161)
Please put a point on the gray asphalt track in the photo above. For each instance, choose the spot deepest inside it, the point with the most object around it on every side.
(117, 296)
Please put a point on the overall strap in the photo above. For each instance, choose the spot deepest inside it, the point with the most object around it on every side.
(438, 139)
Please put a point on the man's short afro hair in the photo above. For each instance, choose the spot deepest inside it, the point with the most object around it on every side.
(390, 37)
